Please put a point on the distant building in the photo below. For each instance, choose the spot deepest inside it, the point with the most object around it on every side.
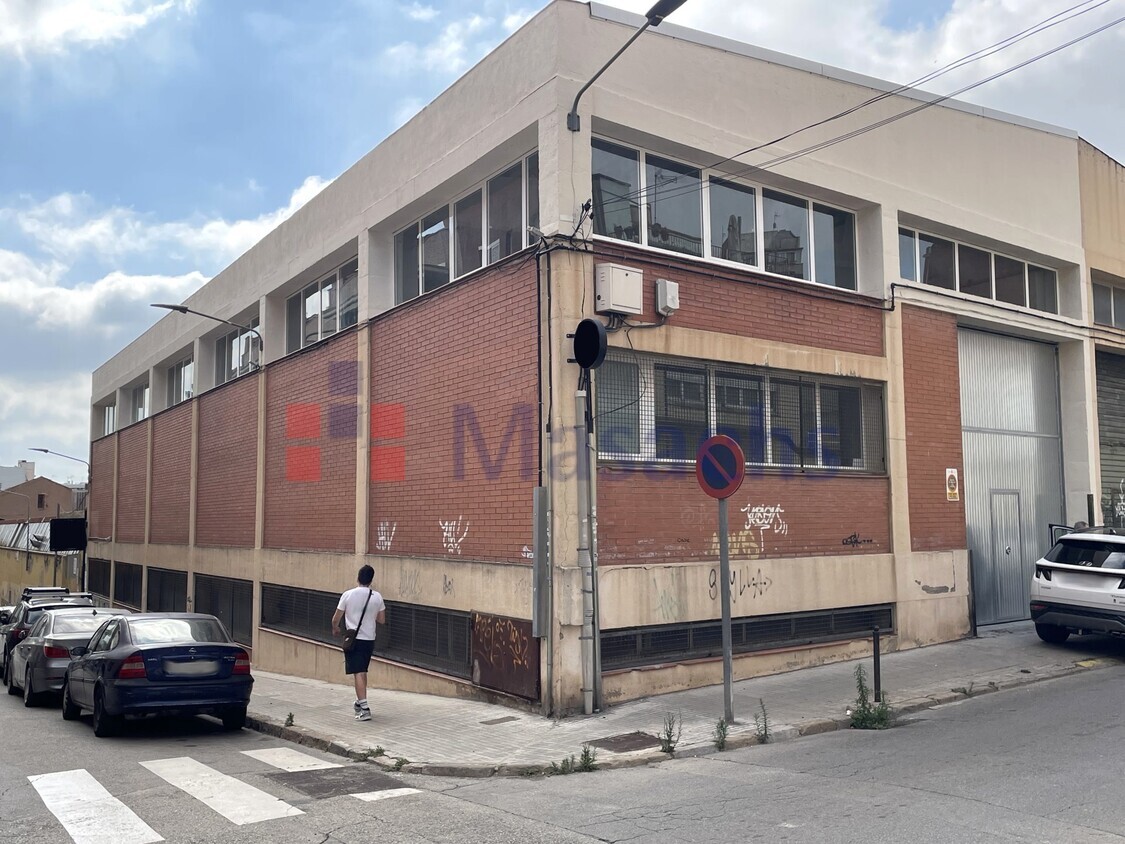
(10, 476)
(43, 498)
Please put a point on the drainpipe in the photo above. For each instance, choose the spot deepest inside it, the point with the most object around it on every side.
(585, 560)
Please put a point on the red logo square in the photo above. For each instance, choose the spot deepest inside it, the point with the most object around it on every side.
(302, 463)
(388, 421)
(388, 464)
(302, 421)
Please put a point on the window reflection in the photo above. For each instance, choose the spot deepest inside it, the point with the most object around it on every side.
(786, 221)
(674, 200)
(616, 188)
(733, 222)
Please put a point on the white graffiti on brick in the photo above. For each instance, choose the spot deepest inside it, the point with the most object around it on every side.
(527, 553)
(385, 535)
(453, 533)
(766, 517)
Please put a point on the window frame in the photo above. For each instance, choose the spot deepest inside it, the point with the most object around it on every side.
(142, 409)
(717, 371)
(225, 344)
(758, 187)
(993, 254)
(336, 278)
(176, 375)
(447, 210)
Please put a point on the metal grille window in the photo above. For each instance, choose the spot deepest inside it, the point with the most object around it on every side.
(98, 576)
(429, 637)
(656, 410)
(229, 600)
(302, 612)
(127, 585)
(167, 591)
(638, 646)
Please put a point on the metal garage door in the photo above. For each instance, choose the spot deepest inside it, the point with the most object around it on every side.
(1013, 465)
(1111, 436)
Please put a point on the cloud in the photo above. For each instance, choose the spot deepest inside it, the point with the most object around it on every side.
(418, 12)
(457, 46)
(45, 413)
(46, 27)
(516, 19)
(68, 225)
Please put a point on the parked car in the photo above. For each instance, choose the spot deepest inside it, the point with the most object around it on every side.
(27, 612)
(1079, 585)
(6, 614)
(40, 660)
(158, 664)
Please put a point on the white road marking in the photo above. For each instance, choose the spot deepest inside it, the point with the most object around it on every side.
(89, 813)
(289, 759)
(235, 800)
(371, 796)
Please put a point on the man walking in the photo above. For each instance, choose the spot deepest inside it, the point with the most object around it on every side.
(360, 608)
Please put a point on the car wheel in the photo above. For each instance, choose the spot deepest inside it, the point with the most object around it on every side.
(9, 680)
(234, 719)
(104, 723)
(70, 712)
(29, 697)
(1052, 633)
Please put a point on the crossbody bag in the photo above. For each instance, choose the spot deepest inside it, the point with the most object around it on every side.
(349, 634)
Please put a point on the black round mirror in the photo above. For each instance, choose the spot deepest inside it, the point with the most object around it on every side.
(590, 343)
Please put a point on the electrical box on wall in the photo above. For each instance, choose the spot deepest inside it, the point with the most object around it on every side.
(667, 297)
(617, 289)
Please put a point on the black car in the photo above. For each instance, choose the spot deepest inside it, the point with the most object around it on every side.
(27, 612)
(158, 664)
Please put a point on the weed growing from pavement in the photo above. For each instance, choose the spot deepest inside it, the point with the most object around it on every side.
(868, 715)
(967, 691)
(400, 762)
(289, 720)
(670, 735)
(587, 761)
(762, 723)
(378, 751)
(567, 766)
(721, 731)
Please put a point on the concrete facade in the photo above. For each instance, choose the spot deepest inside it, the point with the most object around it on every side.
(415, 439)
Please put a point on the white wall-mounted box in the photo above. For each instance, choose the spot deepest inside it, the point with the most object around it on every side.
(667, 297)
(618, 289)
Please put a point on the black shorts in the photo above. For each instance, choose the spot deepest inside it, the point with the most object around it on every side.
(359, 657)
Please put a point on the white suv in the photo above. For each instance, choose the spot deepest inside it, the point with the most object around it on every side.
(1079, 587)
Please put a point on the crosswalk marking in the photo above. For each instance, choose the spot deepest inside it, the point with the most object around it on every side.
(290, 760)
(371, 796)
(89, 813)
(235, 800)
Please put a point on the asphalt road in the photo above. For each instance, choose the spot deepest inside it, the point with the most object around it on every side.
(1042, 763)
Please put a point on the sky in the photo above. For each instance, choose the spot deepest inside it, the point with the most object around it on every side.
(145, 144)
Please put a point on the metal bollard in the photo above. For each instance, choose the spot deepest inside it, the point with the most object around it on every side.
(875, 653)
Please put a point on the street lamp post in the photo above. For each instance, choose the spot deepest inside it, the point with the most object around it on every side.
(27, 534)
(184, 309)
(85, 503)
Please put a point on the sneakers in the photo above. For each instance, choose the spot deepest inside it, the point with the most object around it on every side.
(364, 715)
(356, 708)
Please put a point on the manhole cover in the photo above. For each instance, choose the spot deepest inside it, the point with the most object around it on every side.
(626, 742)
(334, 782)
(503, 720)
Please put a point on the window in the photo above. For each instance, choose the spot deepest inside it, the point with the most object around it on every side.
(109, 419)
(487, 225)
(978, 272)
(323, 307)
(40, 501)
(684, 208)
(237, 354)
(656, 409)
(229, 600)
(139, 403)
(180, 382)
(98, 577)
(127, 585)
(167, 591)
(429, 637)
(1109, 305)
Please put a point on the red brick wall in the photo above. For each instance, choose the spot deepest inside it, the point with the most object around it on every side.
(171, 475)
(454, 382)
(100, 505)
(745, 304)
(132, 459)
(663, 516)
(933, 427)
(228, 464)
(311, 420)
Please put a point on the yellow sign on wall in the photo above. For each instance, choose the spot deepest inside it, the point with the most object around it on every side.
(952, 486)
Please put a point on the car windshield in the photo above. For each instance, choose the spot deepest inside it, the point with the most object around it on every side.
(1088, 552)
(156, 631)
(77, 623)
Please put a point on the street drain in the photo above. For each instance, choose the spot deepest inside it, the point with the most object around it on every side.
(626, 742)
(335, 782)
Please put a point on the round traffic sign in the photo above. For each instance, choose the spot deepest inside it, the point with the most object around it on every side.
(720, 466)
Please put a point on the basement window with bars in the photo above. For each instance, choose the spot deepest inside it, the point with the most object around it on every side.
(231, 601)
(659, 410)
(127, 585)
(167, 591)
(99, 577)
(640, 646)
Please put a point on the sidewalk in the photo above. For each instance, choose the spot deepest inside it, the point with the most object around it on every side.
(456, 737)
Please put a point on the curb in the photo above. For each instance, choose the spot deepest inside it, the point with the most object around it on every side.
(638, 758)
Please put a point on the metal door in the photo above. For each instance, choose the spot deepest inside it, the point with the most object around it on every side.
(1013, 482)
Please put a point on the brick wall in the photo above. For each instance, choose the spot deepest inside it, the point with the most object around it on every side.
(100, 502)
(311, 440)
(171, 475)
(455, 420)
(731, 302)
(228, 461)
(663, 516)
(933, 427)
(132, 481)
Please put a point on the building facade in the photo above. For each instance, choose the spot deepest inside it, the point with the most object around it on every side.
(901, 331)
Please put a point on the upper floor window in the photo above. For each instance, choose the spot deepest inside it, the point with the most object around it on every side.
(643, 198)
(323, 308)
(487, 224)
(139, 403)
(237, 353)
(180, 382)
(41, 501)
(977, 272)
(661, 409)
(109, 419)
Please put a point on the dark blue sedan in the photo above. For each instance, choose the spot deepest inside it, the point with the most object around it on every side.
(158, 664)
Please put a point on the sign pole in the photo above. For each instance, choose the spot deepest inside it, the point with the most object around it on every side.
(728, 645)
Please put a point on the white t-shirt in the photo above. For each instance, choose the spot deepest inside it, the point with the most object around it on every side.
(351, 602)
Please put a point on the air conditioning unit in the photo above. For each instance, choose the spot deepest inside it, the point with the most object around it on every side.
(618, 289)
